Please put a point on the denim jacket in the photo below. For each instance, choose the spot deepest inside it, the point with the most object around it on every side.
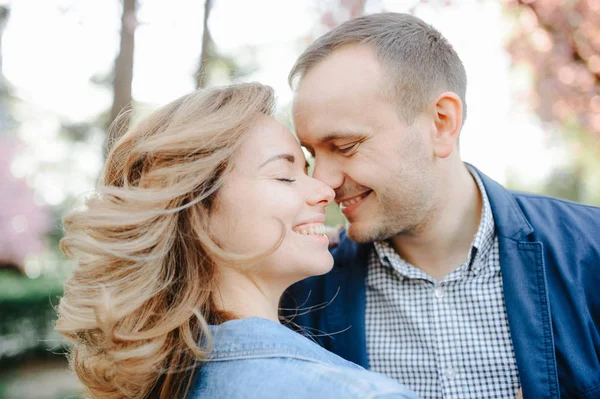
(258, 358)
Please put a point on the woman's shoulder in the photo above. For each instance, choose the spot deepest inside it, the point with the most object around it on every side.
(258, 358)
(280, 377)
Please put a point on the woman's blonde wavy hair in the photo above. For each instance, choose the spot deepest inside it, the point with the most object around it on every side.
(139, 301)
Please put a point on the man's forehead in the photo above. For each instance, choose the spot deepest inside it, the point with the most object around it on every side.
(352, 67)
(332, 120)
(344, 62)
(311, 101)
(329, 109)
(321, 105)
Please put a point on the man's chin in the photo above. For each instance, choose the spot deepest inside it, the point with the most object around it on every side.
(360, 233)
(364, 233)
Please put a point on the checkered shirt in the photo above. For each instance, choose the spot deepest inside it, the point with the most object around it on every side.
(443, 339)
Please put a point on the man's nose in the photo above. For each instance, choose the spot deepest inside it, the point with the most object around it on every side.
(328, 172)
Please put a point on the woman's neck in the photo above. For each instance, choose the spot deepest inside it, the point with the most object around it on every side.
(246, 296)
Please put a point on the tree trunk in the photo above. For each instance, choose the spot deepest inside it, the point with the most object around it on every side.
(206, 47)
(5, 120)
(4, 12)
(123, 75)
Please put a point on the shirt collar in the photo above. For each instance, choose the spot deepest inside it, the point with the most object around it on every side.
(389, 257)
(484, 238)
(480, 247)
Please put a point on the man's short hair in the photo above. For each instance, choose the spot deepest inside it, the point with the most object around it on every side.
(419, 61)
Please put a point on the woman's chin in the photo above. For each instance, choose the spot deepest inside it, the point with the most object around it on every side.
(300, 265)
(319, 266)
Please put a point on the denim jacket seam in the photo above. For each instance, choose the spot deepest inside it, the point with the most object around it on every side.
(356, 390)
(263, 354)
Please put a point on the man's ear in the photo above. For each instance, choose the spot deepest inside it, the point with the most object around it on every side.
(447, 118)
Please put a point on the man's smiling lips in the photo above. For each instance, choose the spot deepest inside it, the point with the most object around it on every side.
(348, 205)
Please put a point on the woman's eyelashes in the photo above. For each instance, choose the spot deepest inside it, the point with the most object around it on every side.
(304, 171)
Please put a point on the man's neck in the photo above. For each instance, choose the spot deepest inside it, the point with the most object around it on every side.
(443, 244)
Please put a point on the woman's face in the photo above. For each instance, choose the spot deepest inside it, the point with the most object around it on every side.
(267, 187)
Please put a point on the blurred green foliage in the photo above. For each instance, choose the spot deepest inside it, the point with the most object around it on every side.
(27, 318)
(334, 216)
(34, 385)
(16, 288)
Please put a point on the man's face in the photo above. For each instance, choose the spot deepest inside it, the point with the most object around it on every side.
(381, 169)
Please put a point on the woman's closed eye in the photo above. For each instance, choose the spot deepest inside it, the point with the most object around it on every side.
(291, 180)
(285, 179)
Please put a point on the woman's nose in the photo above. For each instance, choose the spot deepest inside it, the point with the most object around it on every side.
(320, 193)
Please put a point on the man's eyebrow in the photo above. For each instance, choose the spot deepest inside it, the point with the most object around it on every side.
(341, 136)
(288, 157)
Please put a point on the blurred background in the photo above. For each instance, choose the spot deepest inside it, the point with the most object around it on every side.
(67, 67)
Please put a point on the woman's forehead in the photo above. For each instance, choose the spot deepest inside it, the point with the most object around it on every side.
(269, 138)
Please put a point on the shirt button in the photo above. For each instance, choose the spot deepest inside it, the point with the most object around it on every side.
(439, 292)
(450, 373)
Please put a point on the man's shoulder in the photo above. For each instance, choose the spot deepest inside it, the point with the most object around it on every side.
(544, 212)
(546, 201)
(568, 231)
(518, 212)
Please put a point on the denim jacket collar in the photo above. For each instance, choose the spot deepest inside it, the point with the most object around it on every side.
(255, 337)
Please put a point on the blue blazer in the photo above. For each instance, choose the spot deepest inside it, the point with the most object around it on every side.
(550, 262)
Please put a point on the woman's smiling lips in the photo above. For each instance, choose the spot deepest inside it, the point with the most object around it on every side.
(349, 205)
(312, 228)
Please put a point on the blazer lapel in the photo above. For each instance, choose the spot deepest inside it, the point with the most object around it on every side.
(529, 317)
(345, 315)
(525, 295)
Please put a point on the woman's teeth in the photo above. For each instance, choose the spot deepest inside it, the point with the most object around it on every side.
(316, 229)
(354, 200)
